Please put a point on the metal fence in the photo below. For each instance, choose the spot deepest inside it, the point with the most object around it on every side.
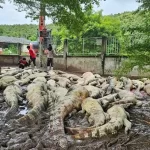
(93, 45)
(112, 46)
(88, 46)
(85, 46)
(82, 46)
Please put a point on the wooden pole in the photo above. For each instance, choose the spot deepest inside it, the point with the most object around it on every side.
(65, 53)
(103, 54)
(19, 49)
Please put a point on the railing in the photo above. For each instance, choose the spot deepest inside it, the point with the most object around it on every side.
(82, 46)
(112, 46)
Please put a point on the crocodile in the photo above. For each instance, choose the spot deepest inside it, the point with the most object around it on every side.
(147, 88)
(11, 73)
(104, 86)
(119, 85)
(7, 80)
(112, 83)
(102, 80)
(127, 83)
(61, 109)
(37, 100)
(26, 73)
(61, 81)
(28, 79)
(95, 92)
(88, 77)
(138, 84)
(51, 83)
(118, 119)
(122, 94)
(12, 94)
(107, 99)
(95, 112)
(71, 77)
(124, 97)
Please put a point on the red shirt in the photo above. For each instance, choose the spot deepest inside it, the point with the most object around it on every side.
(22, 61)
(32, 53)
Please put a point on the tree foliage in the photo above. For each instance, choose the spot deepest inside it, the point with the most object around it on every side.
(65, 12)
(1, 2)
(133, 35)
(145, 5)
(138, 50)
(28, 31)
(74, 19)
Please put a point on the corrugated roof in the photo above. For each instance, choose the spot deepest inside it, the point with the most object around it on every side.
(6, 39)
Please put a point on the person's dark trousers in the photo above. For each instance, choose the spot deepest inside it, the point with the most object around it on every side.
(32, 60)
(21, 66)
(26, 65)
(50, 62)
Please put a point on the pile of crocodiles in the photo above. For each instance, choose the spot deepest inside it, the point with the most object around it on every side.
(103, 101)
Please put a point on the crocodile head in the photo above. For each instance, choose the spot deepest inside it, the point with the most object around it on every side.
(81, 93)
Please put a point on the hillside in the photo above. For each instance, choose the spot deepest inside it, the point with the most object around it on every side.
(28, 31)
(108, 25)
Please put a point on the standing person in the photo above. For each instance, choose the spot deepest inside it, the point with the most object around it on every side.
(50, 55)
(32, 56)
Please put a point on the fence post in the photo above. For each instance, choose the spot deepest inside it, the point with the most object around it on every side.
(103, 54)
(19, 49)
(65, 53)
(83, 46)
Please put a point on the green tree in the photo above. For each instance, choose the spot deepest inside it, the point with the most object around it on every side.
(1, 31)
(138, 49)
(145, 5)
(11, 50)
(98, 25)
(1, 1)
(65, 12)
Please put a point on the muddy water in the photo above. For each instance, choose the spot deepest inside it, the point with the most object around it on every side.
(138, 138)
(20, 137)
(28, 138)
(23, 104)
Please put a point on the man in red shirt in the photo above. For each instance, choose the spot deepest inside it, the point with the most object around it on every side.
(32, 56)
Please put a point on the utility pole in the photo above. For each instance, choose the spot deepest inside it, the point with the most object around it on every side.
(44, 35)
(41, 29)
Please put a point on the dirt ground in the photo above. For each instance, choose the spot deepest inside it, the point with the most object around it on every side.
(14, 137)
(138, 138)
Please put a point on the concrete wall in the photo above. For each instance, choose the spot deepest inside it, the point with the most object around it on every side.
(9, 60)
(112, 63)
(84, 64)
(76, 64)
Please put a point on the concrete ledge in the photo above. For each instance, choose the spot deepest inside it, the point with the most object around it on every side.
(76, 63)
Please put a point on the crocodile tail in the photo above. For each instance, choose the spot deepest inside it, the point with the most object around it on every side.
(70, 130)
(11, 112)
(30, 117)
(82, 135)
